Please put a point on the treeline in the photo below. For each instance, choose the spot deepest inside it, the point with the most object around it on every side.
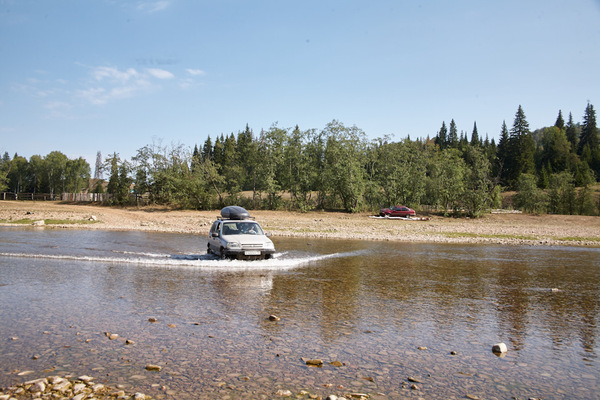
(55, 173)
(337, 167)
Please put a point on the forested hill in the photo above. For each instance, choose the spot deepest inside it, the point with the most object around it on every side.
(553, 169)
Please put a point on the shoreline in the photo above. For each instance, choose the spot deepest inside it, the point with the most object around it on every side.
(502, 228)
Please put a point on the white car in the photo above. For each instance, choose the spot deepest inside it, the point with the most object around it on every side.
(235, 235)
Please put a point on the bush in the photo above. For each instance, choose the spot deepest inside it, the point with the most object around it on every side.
(529, 197)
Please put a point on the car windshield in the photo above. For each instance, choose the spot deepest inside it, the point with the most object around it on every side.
(242, 228)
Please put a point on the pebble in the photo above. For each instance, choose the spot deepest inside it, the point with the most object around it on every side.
(315, 362)
(499, 348)
(57, 387)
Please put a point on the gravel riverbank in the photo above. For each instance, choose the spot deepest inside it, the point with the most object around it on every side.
(495, 228)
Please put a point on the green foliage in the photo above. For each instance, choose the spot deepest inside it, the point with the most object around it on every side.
(562, 193)
(119, 181)
(520, 150)
(446, 180)
(529, 197)
(336, 168)
(4, 170)
(555, 149)
(585, 201)
(479, 187)
(344, 166)
(55, 168)
(400, 172)
(77, 175)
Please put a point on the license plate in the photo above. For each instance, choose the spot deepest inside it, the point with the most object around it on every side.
(252, 252)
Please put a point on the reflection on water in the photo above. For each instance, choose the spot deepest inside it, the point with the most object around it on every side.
(372, 306)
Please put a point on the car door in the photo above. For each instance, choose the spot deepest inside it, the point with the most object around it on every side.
(214, 239)
(395, 212)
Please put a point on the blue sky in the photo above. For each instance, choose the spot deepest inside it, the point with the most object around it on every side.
(113, 76)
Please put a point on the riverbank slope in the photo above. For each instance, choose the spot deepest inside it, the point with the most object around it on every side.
(502, 228)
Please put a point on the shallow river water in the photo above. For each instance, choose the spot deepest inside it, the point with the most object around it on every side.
(375, 313)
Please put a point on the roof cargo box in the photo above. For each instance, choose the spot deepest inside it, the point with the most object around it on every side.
(234, 212)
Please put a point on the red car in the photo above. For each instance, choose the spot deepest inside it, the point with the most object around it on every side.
(397, 211)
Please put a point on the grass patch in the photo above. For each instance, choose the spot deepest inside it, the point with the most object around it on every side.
(487, 236)
(309, 230)
(28, 221)
(578, 239)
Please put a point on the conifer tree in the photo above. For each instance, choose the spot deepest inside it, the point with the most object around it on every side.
(441, 138)
(572, 133)
(475, 136)
(453, 135)
(520, 150)
(502, 153)
(589, 130)
(560, 122)
(589, 147)
(207, 149)
(196, 158)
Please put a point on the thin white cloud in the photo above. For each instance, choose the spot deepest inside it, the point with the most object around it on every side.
(110, 83)
(195, 72)
(55, 105)
(58, 109)
(160, 73)
(111, 73)
(94, 95)
(102, 85)
(153, 6)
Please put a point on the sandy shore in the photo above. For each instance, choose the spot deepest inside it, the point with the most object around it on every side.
(503, 228)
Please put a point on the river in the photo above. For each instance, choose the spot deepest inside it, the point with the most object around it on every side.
(375, 313)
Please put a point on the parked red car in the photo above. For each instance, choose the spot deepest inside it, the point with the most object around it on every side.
(397, 211)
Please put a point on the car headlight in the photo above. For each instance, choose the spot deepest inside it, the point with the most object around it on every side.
(234, 245)
(269, 245)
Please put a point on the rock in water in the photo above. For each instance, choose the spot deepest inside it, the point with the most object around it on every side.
(499, 348)
(315, 362)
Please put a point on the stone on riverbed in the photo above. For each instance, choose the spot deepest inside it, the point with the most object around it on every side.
(67, 387)
(38, 386)
(152, 367)
(499, 348)
(315, 362)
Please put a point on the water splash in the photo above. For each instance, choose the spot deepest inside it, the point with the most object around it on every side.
(203, 262)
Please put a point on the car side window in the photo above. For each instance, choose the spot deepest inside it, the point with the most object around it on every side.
(215, 228)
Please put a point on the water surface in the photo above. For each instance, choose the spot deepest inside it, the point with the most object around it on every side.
(385, 311)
